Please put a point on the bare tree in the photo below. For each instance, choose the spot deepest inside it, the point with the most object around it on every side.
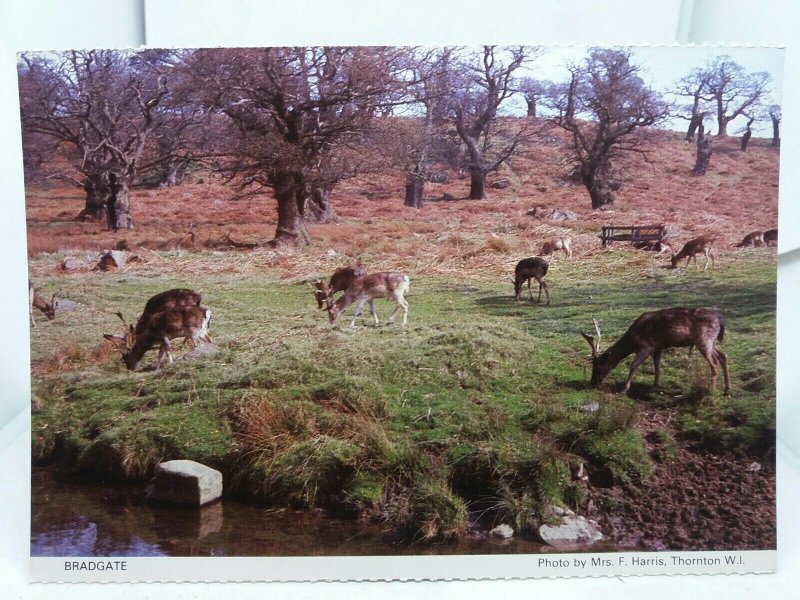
(733, 91)
(534, 90)
(775, 116)
(292, 114)
(101, 103)
(482, 82)
(606, 107)
(694, 85)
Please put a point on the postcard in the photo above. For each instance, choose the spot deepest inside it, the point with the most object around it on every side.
(378, 313)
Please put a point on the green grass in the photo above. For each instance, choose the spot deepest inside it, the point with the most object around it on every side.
(474, 407)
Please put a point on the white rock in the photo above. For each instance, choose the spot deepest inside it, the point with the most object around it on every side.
(572, 531)
(185, 482)
(502, 531)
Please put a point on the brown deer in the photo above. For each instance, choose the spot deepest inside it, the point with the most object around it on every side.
(190, 322)
(771, 237)
(392, 286)
(657, 246)
(563, 243)
(755, 239)
(527, 269)
(694, 247)
(176, 298)
(36, 301)
(653, 332)
(340, 281)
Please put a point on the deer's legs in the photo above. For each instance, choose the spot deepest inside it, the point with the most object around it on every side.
(638, 360)
(359, 304)
(529, 289)
(722, 359)
(163, 350)
(657, 366)
(373, 311)
(542, 285)
(401, 303)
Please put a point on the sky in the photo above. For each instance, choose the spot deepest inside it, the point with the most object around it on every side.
(663, 66)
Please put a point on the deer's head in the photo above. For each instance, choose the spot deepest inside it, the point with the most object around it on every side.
(123, 341)
(600, 368)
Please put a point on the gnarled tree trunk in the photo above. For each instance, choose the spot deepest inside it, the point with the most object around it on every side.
(704, 152)
(415, 186)
(289, 191)
(776, 132)
(694, 123)
(119, 204)
(317, 206)
(477, 183)
(531, 107)
(97, 196)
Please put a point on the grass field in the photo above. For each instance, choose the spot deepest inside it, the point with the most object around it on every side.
(474, 410)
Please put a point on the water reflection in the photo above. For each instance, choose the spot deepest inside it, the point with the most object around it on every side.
(72, 519)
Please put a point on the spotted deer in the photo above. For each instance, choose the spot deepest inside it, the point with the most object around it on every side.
(392, 286)
(527, 269)
(339, 282)
(190, 322)
(563, 243)
(36, 301)
(694, 247)
(654, 332)
(176, 298)
(754, 239)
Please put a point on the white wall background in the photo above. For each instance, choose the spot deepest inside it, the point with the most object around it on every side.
(49, 24)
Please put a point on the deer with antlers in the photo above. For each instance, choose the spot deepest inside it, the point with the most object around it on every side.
(189, 322)
(339, 282)
(36, 301)
(563, 243)
(654, 332)
(527, 269)
(175, 298)
(367, 288)
(694, 247)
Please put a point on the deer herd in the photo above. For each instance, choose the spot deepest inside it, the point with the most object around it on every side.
(178, 313)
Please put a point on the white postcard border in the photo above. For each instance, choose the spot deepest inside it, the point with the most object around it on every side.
(396, 568)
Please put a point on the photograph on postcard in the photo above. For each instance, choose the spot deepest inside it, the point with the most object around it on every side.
(380, 301)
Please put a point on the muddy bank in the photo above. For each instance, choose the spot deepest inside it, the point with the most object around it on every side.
(697, 500)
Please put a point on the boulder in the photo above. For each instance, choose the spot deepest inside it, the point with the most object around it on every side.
(447, 196)
(185, 482)
(571, 531)
(503, 531)
(71, 264)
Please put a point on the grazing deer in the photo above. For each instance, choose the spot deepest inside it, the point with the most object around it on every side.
(771, 237)
(694, 247)
(189, 322)
(340, 281)
(657, 246)
(36, 301)
(527, 269)
(367, 288)
(563, 243)
(755, 239)
(653, 332)
(177, 298)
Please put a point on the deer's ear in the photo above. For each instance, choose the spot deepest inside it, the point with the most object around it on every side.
(115, 338)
